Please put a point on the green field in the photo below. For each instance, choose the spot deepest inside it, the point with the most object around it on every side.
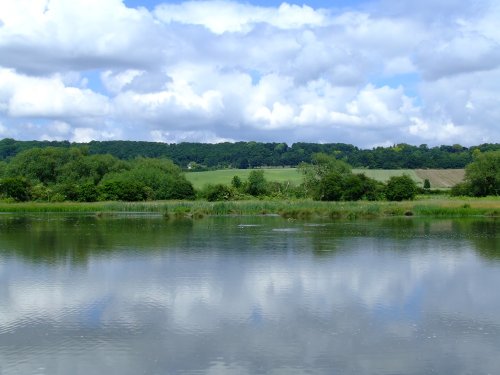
(224, 176)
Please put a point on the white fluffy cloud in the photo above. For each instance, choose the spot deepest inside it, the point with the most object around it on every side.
(220, 70)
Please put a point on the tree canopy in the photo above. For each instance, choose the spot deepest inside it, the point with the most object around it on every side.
(482, 176)
(257, 154)
(56, 174)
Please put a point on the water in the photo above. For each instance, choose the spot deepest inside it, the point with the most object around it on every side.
(142, 295)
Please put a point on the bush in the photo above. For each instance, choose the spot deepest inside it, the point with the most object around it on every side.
(236, 182)
(17, 188)
(87, 192)
(358, 186)
(400, 188)
(218, 192)
(256, 183)
(329, 188)
(461, 189)
(120, 189)
(181, 189)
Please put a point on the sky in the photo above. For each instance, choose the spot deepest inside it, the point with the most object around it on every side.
(368, 73)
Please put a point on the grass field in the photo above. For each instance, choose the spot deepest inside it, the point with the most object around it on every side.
(224, 176)
(438, 178)
(441, 178)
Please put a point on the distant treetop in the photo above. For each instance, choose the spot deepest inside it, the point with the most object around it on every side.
(244, 155)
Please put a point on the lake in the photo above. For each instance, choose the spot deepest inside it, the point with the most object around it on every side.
(132, 294)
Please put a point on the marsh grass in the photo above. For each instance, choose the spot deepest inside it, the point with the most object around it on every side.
(292, 209)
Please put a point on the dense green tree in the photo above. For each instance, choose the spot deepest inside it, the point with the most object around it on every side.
(427, 184)
(256, 183)
(255, 154)
(329, 187)
(17, 188)
(41, 193)
(121, 187)
(163, 177)
(87, 192)
(401, 188)
(3, 168)
(42, 164)
(482, 176)
(236, 182)
(323, 178)
(90, 169)
(360, 187)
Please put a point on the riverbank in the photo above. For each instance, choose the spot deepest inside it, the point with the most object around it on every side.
(295, 209)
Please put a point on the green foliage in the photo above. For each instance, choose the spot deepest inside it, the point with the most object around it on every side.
(122, 187)
(87, 192)
(182, 189)
(3, 168)
(482, 176)
(256, 183)
(17, 188)
(163, 177)
(41, 193)
(460, 190)
(72, 174)
(401, 188)
(218, 192)
(328, 179)
(348, 187)
(41, 165)
(255, 154)
(90, 168)
(320, 176)
(236, 182)
(360, 187)
(329, 187)
(427, 184)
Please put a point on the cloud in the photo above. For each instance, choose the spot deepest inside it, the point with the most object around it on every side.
(49, 98)
(220, 16)
(75, 35)
(219, 70)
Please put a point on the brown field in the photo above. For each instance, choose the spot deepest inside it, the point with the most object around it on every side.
(441, 178)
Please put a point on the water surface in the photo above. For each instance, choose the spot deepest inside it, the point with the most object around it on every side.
(246, 295)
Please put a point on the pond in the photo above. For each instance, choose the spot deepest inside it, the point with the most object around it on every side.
(131, 294)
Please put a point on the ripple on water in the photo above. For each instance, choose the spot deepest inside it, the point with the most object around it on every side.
(287, 230)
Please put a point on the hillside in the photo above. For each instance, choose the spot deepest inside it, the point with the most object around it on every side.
(438, 178)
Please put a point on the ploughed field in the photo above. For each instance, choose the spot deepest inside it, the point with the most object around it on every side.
(439, 178)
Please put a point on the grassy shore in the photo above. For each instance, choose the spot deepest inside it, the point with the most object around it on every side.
(299, 209)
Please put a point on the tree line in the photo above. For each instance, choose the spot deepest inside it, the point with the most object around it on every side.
(242, 155)
(55, 174)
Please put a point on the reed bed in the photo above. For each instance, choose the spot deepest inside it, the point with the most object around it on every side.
(291, 209)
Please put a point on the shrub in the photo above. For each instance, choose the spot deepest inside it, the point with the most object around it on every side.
(17, 188)
(236, 182)
(87, 192)
(256, 183)
(329, 188)
(218, 192)
(400, 188)
(120, 189)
